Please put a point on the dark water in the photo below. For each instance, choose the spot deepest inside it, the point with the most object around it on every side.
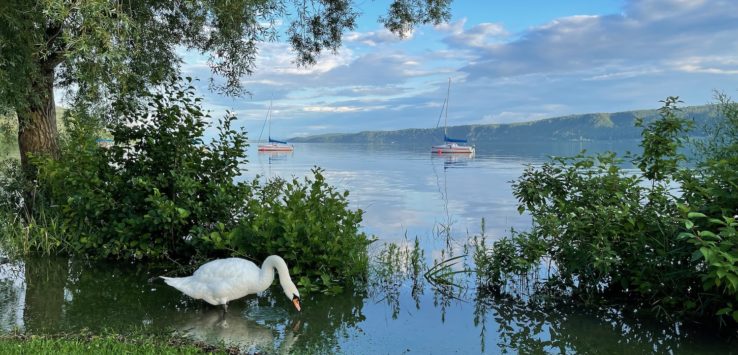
(406, 193)
(59, 295)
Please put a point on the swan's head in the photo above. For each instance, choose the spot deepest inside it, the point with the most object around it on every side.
(290, 290)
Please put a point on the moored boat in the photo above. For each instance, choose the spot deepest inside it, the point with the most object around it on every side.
(450, 145)
(273, 145)
(454, 148)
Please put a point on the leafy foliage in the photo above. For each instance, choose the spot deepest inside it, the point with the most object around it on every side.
(593, 225)
(611, 233)
(661, 140)
(404, 15)
(161, 192)
(157, 190)
(710, 210)
(101, 47)
(310, 225)
(717, 245)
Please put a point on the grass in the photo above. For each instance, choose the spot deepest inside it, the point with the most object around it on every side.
(105, 344)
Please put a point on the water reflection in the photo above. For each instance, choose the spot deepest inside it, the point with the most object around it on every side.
(404, 193)
(539, 326)
(398, 187)
(213, 326)
(45, 280)
(453, 160)
(50, 295)
(12, 291)
(55, 295)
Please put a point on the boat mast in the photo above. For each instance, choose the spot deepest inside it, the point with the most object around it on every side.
(269, 118)
(445, 120)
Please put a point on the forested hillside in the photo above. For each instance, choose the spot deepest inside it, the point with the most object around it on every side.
(591, 126)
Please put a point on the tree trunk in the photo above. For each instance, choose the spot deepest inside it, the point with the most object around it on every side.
(37, 132)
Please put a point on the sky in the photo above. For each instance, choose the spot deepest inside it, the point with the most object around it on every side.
(508, 61)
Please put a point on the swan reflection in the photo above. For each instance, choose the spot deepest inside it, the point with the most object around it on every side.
(213, 326)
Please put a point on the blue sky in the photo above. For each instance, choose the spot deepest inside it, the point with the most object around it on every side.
(509, 61)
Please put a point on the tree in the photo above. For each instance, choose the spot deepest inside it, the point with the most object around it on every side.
(99, 47)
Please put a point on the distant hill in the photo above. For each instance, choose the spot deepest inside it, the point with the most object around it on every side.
(590, 127)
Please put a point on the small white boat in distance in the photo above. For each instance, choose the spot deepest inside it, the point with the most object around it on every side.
(276, 146)
(273, 145)
(450, 145)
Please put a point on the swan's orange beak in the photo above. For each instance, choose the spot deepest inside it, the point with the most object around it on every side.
(296, 302)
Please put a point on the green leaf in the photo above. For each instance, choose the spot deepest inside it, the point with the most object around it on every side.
(697, 255)
(733, 282)
(183, 213)
(688, 224)
(717, 221)
(724, 311)
(685, 235)
(696, 215)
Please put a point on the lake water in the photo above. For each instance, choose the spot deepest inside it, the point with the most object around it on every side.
(405, 193)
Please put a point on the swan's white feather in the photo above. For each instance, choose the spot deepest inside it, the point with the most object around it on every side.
(219, 281)
(223, 280)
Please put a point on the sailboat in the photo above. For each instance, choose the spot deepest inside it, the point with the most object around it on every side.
(273, 145)
(450, 145)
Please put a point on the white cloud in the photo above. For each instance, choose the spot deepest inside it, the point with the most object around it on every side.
(711, 65)
(332, 109)
(652, 33)
(574, 64)
(480, 35)
(375, 38)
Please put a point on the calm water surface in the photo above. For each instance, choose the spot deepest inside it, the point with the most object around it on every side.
(405, 193)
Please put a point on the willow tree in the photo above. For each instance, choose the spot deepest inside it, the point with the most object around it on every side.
(99, 47)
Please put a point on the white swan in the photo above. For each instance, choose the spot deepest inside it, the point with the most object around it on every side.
(219, 281)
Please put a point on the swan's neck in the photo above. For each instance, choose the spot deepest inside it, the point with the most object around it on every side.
(266, 277)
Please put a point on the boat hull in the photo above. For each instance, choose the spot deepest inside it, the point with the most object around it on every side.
(452, 149)
(275, 148)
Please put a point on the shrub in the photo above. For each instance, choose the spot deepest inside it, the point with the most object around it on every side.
(157, 190)
(716, 247)
(603, 229)
(160, 192)
(710, 209)
(310, 225)
(611, 233)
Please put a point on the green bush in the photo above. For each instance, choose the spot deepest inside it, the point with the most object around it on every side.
(710, 209)
(157, 190)
(605, 231)
(161, 192)
(717, 248)
(618, 235)
(310, 225)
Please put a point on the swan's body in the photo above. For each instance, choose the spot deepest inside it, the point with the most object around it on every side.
(220, 281)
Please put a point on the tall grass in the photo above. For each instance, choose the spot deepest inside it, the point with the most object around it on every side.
(23, 236)
(23, 232)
